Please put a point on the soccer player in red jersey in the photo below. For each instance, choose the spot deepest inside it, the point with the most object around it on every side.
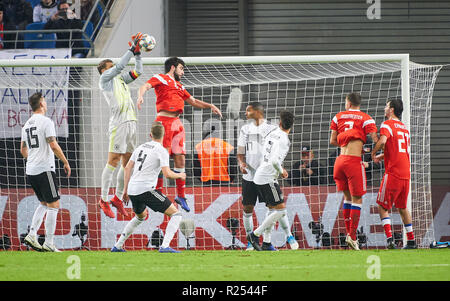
(394, 189)
(170, 98)
(349, 130)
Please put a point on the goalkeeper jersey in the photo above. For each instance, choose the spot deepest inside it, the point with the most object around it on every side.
(251, 137)
(114, 85)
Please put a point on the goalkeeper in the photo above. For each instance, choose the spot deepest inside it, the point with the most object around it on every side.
(122, 121)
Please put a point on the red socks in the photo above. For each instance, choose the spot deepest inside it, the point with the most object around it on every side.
(386, 222)
(355, 213)
(346, 210)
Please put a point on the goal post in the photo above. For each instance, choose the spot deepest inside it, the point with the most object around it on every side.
(312, 87)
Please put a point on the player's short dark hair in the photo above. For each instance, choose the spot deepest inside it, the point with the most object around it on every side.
(102, 65)
(257, 106)
(35, 101)
(397, 105)
(287, 119)
(157, 130)
(354, 98)
(173, 61)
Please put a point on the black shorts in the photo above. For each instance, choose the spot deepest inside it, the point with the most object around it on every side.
(154, 199)
(45, 186)
(271, 194)
(250, 193)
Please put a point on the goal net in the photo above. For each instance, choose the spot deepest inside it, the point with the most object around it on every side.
(312, 87)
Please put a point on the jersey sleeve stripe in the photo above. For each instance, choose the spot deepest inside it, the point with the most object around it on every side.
(335, 120)
(367, 122)
(134, 74)
(385, 126)
(161, 79)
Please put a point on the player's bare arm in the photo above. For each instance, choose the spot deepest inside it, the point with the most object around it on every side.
(241, 159)
(374, 137)
(172, 175)
(59, 154)
(24, 150)
(144, 88)
(379, 146)
(333, 138)
(196, 103)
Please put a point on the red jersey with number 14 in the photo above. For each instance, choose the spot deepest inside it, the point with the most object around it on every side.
(170, 94)
(396, 149)
(352, 125)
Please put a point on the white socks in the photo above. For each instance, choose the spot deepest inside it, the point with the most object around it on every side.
(284, 223)
(129, 229)
(120, 183)
(269, 221)
(171, 229)
(267, 235)
(38, 217)
(107, 175)
(50, 225)
(248, 222)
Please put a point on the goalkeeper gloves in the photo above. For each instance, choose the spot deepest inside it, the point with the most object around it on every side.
(134, 44)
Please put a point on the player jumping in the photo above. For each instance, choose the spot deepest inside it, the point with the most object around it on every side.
(122, 121)
(394, 189)
(349, 130)
(170, 98)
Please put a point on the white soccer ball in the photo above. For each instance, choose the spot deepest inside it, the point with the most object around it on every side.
(147, 43)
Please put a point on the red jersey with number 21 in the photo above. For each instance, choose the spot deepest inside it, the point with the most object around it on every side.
(170, 94)
(396, 149)
(352, 125)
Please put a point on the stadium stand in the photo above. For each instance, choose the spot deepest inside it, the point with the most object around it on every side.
(38, 39)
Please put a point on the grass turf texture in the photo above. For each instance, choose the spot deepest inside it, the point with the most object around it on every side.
(285, 265)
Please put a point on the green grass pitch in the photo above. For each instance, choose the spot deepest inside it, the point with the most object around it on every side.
(236, 265)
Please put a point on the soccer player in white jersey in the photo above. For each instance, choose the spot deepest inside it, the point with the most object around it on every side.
(250, 151)
(122, 122)
(276, 147)
(39, 147)
(147, 161)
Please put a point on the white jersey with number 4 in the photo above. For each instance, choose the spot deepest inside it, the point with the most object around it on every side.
(149, 158)
(251, 136)
(276, 147)
(35, 133)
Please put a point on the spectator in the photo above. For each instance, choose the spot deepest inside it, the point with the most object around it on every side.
(367, 159)
(86, 7)
(6, 40)
(65, 18)
(214, 162)
(307, 171)
(45, 10)
(17, 13)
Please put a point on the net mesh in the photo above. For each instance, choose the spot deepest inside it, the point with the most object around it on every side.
(314, 92)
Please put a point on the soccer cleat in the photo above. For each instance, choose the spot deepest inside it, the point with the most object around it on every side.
(32, 242)
(292, 242)
(254, 240)
(168, 250)
(49, 248)
(116, 202)
(106, 209)
(249, 247)
(267, 246)
(411, 244)
(352, 243)
(391, 244)
(114, 249)
(182, 202)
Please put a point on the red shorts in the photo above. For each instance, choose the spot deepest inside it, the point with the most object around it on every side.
(393, 191)
(174, 135)
(350, 174)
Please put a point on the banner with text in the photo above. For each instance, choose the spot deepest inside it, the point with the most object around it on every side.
(17, 84)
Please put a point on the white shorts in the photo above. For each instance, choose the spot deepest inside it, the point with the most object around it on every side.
(123, 138)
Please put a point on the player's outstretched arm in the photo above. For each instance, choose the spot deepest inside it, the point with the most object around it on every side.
(172, 175)
(378, 146)
(144, 88)
(59, 154)
(196, 103)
